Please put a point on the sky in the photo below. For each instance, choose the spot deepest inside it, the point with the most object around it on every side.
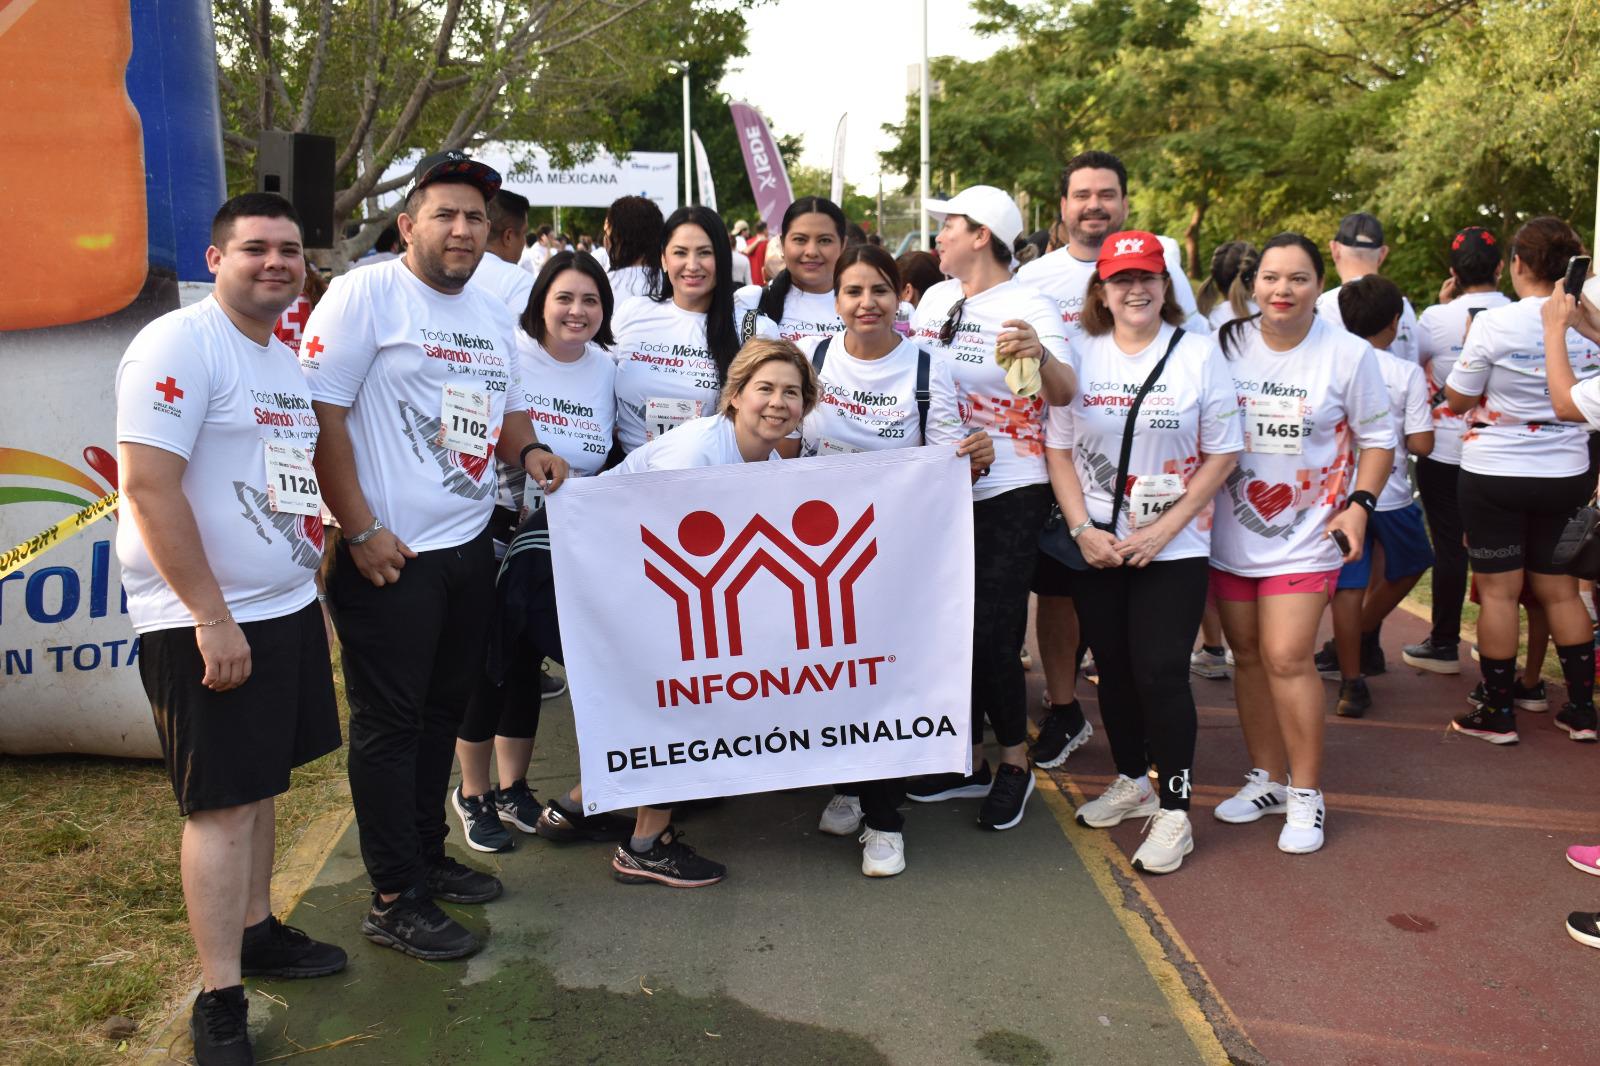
(811, 61)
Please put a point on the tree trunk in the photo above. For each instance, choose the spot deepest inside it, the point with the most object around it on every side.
(1191, 236)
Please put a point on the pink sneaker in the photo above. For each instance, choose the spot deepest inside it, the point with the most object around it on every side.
(1585, 857)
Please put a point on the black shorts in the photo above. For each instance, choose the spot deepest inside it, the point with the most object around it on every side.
(226, 749)
(1051, 577)
(1513, 523)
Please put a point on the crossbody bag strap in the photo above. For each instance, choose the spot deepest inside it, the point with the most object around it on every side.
(1120, 488)
(819, 355)
(924, 392)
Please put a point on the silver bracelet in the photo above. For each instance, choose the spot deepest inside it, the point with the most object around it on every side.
(1075, 530)
(366, 534)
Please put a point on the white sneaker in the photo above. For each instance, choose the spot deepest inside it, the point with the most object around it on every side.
(882, 854)
(1123, 798)
(841, 817)
(1260, 795)
(1168, 838)
(1213, 667)
(1302, 833)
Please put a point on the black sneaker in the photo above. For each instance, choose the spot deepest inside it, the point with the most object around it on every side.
(1327, 663)
(1373, 662)
(1584, 927)
(518, 806)
(1355, 699)
(480, 821)
(219, 1026)
(551, 686)
(563, 828)
(414, 924)
(1062, 732)
(456, 882)
(1533, 699)
(272, 949)
(1434, 656)
(669, 862)
(1578, 722)
(1486, 723)
(936, 787)
(1007, 799)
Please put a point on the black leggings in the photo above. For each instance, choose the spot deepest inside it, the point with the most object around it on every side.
(1005, 534)
(1140, 623)
(1436, 482)
(510, 709)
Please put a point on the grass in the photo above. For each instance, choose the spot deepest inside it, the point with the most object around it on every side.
(92, 922)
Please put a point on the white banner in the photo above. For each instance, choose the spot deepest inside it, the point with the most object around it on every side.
(764, 626)
(836, 186)
(702, 174)
(525, 168)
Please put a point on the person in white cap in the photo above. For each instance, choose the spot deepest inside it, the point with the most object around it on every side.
(1007, 351)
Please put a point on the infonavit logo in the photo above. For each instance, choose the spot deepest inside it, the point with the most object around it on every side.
(707, 601)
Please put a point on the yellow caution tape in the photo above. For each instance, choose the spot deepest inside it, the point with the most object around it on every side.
(59, 533)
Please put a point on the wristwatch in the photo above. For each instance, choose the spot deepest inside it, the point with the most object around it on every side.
(1075, 530)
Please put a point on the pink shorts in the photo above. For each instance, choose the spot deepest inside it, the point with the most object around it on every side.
(1237, 589)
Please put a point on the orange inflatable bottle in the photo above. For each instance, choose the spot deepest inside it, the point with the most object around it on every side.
(72, 185)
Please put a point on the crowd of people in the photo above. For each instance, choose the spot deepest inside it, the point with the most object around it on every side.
(1181, 482)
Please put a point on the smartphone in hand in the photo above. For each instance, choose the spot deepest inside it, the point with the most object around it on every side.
(1577, 273)
(1340, 541)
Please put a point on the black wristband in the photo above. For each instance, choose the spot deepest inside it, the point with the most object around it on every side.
(1363, 499)
(539, 445)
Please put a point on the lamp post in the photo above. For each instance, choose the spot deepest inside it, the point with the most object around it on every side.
(679, 66)
(922, 200)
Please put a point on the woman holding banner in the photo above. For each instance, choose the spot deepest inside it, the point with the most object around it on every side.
(914, 403)
(673, 350)
(799, 303)
(1006, 348)
(1135, 460)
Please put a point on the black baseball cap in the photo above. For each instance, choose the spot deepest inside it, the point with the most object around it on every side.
(1360, 230)
(456, 165)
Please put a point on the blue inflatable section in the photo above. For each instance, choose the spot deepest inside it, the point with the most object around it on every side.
(173, 83)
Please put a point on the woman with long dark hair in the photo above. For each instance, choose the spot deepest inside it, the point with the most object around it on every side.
(673, 349)
(633, 246)
(799, 302)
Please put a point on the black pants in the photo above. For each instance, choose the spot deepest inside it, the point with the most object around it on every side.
(511, 708)
(412, 653)
(1436, 482)
(1140, 623)
(1005, 533)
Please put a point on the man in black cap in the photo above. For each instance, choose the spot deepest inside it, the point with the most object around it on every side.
(1358, 250)
(413, 376)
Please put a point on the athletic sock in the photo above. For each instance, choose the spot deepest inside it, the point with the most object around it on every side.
(1498, 677)
(1577, 666)
(1214, 649)
(567, 805)
(639, 844)
(1072, 712)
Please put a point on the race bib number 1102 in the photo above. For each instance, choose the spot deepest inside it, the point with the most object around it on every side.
(464, 420)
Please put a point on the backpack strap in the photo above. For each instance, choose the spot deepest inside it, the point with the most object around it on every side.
(924, 392)
(819, 355)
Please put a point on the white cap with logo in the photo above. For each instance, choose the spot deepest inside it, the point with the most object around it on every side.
(986, 205)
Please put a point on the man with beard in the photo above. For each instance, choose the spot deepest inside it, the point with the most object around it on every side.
(1094, 203)
(413, 377)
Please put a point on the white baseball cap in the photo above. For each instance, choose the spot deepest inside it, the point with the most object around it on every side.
(986, 205)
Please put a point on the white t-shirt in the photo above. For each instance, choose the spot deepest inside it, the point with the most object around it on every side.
(1441, 331)
(192, 384)
(573, 407)
(628, 282)
(504, 282)
(902, 318)
(601, 256)
(708, 441)
(984, 399)
(533, 257)
(868, 405)
(387, 346)
(1298, 465)
(1411, 413)
(1190, 412)
(740, 269)
(1513, 431)
(1065, 278)
(1224, 313)
(805, 314)
(661, 355)
(1405, 341)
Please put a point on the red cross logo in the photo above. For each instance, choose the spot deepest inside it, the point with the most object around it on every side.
(313, 348)
(169, 389)
(298, 315)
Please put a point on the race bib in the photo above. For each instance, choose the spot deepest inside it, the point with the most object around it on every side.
(532, 499)
(1152, 495)
(291, 482)
(663, 416)
(1275, 425)
(464, 421)
(829, 446)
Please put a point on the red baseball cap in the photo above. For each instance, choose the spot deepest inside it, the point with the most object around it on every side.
(1130, 250)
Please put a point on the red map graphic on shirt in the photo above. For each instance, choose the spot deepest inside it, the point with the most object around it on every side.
(303, 533)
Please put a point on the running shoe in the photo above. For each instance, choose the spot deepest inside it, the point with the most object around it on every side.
(219, 1027)
(1302, 830)
(1578, 722)
(1087, 670)
(564, 827)
(1063, 731)
(1260, 795)
(1485, 723)
(1003, 807)
(1210, 665)
(1355, 699)
(1434, 656)
(551, 686)
(937, 787)
(1327, 662)
(1168, 837)
(669, 861)
(883, 854)
(518, 806)
(1584, 927)
(1124, 798)
(480, 821)
(1027, 660)
(272, 949)
(414, 924)
(1533, 699)
(1585, 857)
(456, 882)
(841, 817)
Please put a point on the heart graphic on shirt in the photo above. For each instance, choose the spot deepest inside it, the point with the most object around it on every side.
(474, 465)
(311, 530)
(1268, 500)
